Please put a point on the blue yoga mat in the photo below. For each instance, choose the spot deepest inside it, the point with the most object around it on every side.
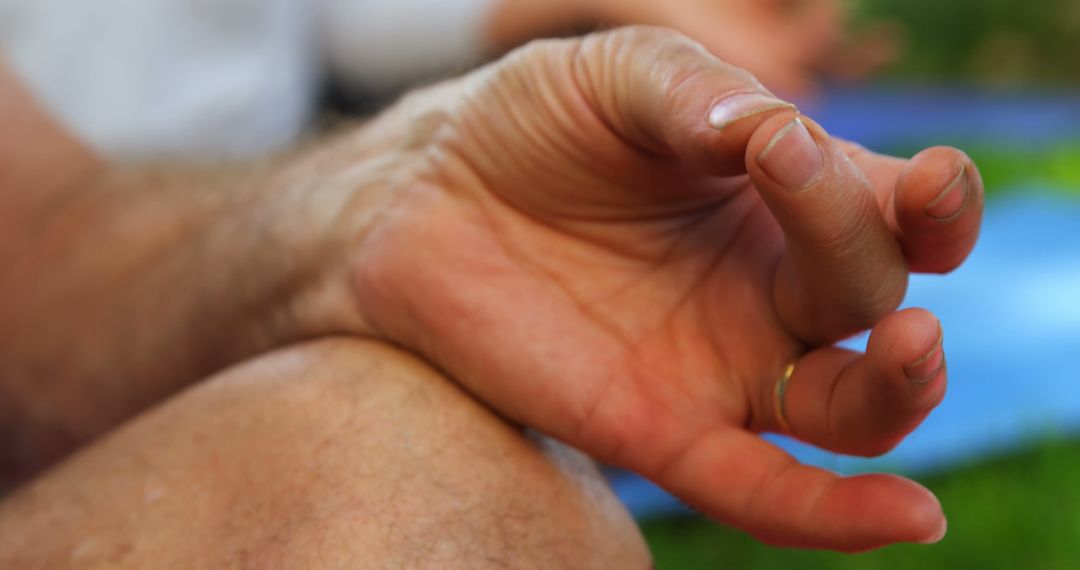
(881, 117)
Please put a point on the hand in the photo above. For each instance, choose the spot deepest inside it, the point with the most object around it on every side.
(622, 241)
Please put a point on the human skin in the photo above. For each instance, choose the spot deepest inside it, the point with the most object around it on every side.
(122, 284)
(633, 283)
(567, 236)
(329, 454)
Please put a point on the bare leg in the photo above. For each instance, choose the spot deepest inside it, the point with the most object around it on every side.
(339, 453)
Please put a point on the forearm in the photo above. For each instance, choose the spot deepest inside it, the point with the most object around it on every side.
(122, 286)
(126, 286)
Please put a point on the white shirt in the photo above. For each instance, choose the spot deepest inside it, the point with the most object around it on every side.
(212, 79)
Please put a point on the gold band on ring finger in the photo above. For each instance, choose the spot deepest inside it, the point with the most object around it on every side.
(778, 398)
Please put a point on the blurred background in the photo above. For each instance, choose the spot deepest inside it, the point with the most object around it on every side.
(213, 79)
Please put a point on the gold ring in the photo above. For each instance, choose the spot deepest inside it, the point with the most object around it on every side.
(778, 398)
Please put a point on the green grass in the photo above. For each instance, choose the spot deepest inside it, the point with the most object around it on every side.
(1021, 511)
(1056, 167)
(1008, 169)
(1005, 170)
(987, 41)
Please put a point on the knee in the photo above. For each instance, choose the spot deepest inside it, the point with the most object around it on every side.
(411, 469)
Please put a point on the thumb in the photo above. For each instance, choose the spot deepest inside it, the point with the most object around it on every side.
(665, 94)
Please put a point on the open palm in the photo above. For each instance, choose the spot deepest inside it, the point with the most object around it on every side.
(599, 244)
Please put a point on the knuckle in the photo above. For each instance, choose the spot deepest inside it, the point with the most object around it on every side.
(872, 277)
(878, 298)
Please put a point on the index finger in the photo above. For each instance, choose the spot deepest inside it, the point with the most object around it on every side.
(843, 269)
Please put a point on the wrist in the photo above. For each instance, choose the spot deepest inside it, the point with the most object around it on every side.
(334, 199)
(318, 206)
(328, 203)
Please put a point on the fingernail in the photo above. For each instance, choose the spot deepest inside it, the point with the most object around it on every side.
(927, 366)
(792, 158)
(741, 106)
(952, 198)
(937, 536)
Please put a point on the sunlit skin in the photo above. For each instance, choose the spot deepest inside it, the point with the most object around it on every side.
(578, 247)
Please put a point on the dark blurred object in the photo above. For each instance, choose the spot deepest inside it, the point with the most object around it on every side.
(999, 42)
